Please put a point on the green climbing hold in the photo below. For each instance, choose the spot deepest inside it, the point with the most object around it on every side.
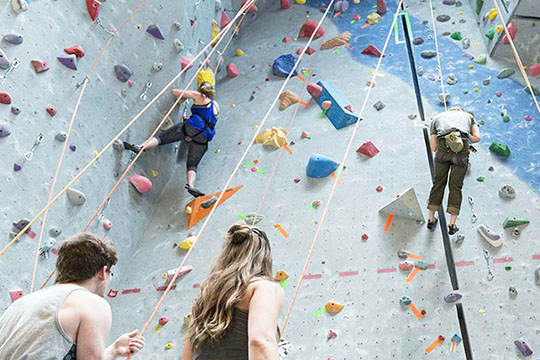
(482, 122)
(456, 35)
(465, 91)
(514, 221)
(536, 90)
(500, 149)
(507, 268)
(504, 114)
(480, 179)
(480, 59)
(506, 72)
(490, 33)
(479, 6)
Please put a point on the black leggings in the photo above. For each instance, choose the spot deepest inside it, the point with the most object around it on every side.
(195, 151)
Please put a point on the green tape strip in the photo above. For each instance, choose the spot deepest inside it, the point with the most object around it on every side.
(283, 284)
(241, 217)
(261, 171)
(250, 164)
(319, 312)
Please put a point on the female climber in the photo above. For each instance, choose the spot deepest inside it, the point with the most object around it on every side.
(452, 132)
(197, 130)
(235, 316)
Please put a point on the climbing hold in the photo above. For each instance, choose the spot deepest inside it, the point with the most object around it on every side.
(516, 232)
(341, 6)
(168, 346)
(500, 149)
(54, 231)
(379, 188)
(218, 5)
(428, 54)
(492, 14)
(365, 237)
(489, 235)
(326, 104)
(184, 61)
(356, 17)
(480, 59)
(76, 197)
(62, 135)
(251, 8)
(68, 61)
(178, 45)
(320, 166)
(514, 221)
(5, 98)
(452, 297)
(534, 70)
(285, 4)
(232, 70)
(379, 105)
(287, 99)
(155, 31)
(93, 7)
(512, 30)
(490, 33)
(14, 39)
(275, 137)
(459, 239)
(40, 65)
(381, 7)
(372, 50)
(15, 110)
(523, 347)
(512, 291)
(402, 254)
(421, 264)
(443, 18)
(444, 98)
(331, 334)
(107, 224)
(177, 26)
(537, 275)
(281, 275)
(16, 167)
(339, 40)
(225, 20)
(418, 41)
(336, 112)
(308, 28)
(51, 110)
(480, 179)
(466, 43)
(368, 149)
(456, 35)
(420, 71)
(157, 66)
(405, 300)
(373, 18)
(141, 183)
(536, 90)
(314, 90)
(284, 65)
(4, 61)
(333, 307)
(486, 81)
(449, 2)
(187, 243)
(406, 265)
(122, 72)
(5, 129)
(305, 135)
(19, 6)
(506, 72)
(76, 50)
(507, 192)
(239, 52)
(452, 80)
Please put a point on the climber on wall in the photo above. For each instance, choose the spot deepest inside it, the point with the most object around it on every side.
(452, 132)
(197, 130)
(235, 316)
(71, 319)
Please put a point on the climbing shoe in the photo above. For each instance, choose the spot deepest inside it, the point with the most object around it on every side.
(194, 192)
(452, 229)
(431, 224)
(207, 203)
(132, 147)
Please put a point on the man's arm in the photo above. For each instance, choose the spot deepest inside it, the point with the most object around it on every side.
(433, 142)
(475, 133)
(94, 328)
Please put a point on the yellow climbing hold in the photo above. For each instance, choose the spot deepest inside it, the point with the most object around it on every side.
(471, 66)
(498, 29)
(164, 275)
(475, 89)
(168, 346)
(232, 105)
(461, 13)
(492, 14)
(275, 137)
(154, 173)
(373, 18)
(300, 2)
(188, 210)
(217, 151)
(356, 1)
(96, 154)
(239, 52)
(476, 43)
(187, 243)
(215, 32)
(187, 319)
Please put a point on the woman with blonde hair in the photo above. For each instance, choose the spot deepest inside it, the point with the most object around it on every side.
(235, 316)
(197, 130)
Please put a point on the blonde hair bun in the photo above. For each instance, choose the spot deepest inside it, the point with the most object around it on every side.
(239, 233)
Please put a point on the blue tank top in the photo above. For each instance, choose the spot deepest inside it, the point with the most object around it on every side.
(197, 119)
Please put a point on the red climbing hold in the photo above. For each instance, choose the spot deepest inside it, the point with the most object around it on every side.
(372, 50)
(534, 70)
(232, 70)
(356, 17)
(93, 8)
(141, 183)
(40, 65)
(297, 180)
(309, 50)
(286, 39)
(368, 149)
(314, 90)
(308, 28)
(285, 4)
(251, 8)
(512, 30)
(365, 237)
(379, 188)
(349, 108)
(225, 19)
(381, 7)
(77, 50)
(5, 98)
(51, 110)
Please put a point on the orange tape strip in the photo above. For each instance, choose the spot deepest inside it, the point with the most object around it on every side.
(287, 148)
(453, 346)
(415, 311)
(303, 103)
(388, 222)
(412, 274)
(348, 46)
(334, 176)
(415, 257)
(337, 14)
(300, 77)
(364, 26)
(433, 345)
(281, 230)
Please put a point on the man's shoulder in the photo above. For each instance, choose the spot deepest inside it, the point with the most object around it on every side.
(85, 301)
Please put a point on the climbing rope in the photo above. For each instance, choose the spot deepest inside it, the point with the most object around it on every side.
(332, 192)
(70, 126)
(237, 167)
(116, 137)
(443, 100)
(516, 56)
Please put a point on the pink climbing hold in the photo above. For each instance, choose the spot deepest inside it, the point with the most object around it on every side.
(40, 65)
(528, 118)
(309, 28)
(286, 39)
(381, 7)
(356, 17)
(107, 224)
(232, 70)
(251, 8)
(285, 4)
(51, 110)
(406, 265)
(512, 30)
(314, 90)
(379, 188)
(309, 50)
(372, 50)
(141, 183)
(5, 98)
(225, 19)
(349, 108)
(534, 70)
(184, 61)
(326, 104)
(498, 93)
(368, 149)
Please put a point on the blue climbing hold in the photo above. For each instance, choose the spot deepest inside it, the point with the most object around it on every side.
(284, 64)
(320, 166)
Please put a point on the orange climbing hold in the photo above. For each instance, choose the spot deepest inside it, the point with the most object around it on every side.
(198, 213)
(281, 275)
(333, 307)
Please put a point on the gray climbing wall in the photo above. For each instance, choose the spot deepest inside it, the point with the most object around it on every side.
(362, 274)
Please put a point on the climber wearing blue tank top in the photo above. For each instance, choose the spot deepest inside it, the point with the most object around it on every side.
(197, 131)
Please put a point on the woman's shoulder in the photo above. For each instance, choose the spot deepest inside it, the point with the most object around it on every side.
(263, 284)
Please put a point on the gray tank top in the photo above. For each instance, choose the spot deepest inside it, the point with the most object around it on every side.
(30, 327)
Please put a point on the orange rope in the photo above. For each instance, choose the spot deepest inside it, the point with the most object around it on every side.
(328, 202)
(63, 152)
(516, 55)
(438, 54)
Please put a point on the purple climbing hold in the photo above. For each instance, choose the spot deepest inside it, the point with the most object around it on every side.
(449, 2)
(15, 39)
(418, 41)
(16, 167)
(468, 56)
(379, 105)
(123, 73)
(72, 147)
(69, 61)
(523, 347)
(155, 31)
(21, 224)
(452, 297)
(5, 129)
(341, 6)
(15, 110)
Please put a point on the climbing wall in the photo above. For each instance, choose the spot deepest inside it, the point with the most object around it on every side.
(355, 261)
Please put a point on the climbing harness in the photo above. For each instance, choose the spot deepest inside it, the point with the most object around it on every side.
(474, 218)
(14, 64)
(145, 90)
(30, 153)
(490, 274)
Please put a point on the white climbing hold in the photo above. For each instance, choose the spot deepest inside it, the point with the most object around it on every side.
(19, 6)
(76, 197)
(489, 235)
(54, 231)
(178, 45)
(61, 136)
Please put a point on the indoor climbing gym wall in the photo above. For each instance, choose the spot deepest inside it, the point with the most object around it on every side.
(325, 108)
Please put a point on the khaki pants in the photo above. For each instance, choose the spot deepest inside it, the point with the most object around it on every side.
(447, 161)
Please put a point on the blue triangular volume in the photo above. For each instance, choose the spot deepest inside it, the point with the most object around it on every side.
(320, 166)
